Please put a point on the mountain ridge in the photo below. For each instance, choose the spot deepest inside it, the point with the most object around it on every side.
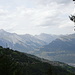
(24, 43)
(19, 63)
(17, 42)
(61, 49)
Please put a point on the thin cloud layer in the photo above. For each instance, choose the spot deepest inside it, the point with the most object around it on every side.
(35, 17)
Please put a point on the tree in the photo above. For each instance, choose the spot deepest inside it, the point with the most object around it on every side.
(8, 66)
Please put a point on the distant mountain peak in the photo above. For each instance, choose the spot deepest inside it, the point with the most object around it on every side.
(2, 30)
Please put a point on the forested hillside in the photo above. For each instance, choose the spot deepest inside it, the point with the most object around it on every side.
(17, 63)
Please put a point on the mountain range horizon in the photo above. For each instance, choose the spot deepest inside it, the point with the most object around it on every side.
(51, 47)
(36, 33)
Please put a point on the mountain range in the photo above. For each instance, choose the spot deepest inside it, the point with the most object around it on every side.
(61, 49)
(52, 47)
(24, 43)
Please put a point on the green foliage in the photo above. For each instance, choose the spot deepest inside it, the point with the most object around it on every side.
(17, 63)
(8, 66)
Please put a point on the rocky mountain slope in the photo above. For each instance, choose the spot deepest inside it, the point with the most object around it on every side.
(23, 43)
(48, 38)
(61, 49)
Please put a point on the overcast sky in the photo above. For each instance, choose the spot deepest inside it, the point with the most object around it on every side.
(36, 16)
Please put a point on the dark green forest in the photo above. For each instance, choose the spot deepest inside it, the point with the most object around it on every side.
(18, 63)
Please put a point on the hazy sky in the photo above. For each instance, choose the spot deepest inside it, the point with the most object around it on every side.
(36, 16)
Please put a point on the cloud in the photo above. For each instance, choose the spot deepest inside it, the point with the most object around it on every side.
(34, 16)
(47, 2)
(62, 1)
